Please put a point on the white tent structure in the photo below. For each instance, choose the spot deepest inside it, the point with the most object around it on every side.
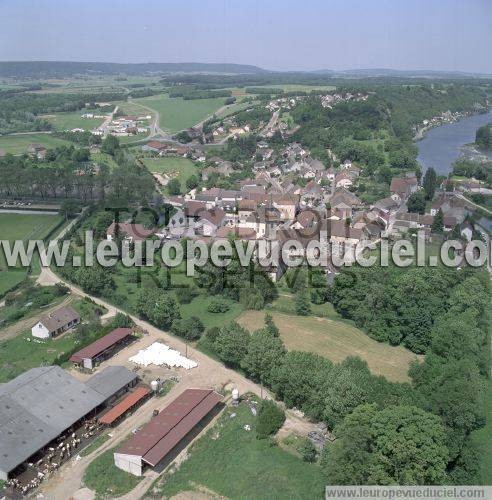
(161, 354)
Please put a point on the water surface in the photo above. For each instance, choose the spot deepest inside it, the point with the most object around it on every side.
(441, 146)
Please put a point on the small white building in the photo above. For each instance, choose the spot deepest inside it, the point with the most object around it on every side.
(55, 323)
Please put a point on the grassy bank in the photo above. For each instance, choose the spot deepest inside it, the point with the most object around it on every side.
(333, 338)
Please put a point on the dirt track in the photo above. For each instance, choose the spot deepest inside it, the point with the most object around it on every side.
(209, 374)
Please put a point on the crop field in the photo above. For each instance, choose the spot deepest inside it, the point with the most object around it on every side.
(335, 340)
(68, 121)
(17, 144)
(230, 462)
(178, 167)
(18, 227)
(132, 108)
(177, 114)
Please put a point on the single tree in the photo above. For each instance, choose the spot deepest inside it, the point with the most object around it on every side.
(429, 183)
(270, 418)
(303, 304)
(416, 202)
(231, 343)
(438, 222)
(174, 187)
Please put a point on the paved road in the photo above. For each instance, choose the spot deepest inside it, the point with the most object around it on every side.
(107, 121)
(473, 203)
(271, 123)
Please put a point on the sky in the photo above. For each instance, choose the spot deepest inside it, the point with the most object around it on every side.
(451, 35)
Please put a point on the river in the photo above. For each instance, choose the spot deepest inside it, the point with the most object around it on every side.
(442, 145)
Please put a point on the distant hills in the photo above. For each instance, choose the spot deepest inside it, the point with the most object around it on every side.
(57, 69)
(53, 69)
(385, 72)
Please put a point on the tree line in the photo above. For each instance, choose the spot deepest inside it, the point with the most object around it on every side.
(67, 172)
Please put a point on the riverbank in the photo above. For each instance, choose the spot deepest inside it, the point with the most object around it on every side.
(443, 145)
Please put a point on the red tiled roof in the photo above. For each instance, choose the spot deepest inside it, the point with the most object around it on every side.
(157, 145)
(100, 345)
(123, 406)
(192, 208)
(163, 432)
(213, 215)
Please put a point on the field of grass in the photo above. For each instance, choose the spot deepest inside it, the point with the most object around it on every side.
(21, 227)
(197, 307)
(182, 168)
(10, 279)
(23, 352)
(230, 462)
(68, 121)
(17, 144)
(177, 114)
(334, 339)
(132, 108)
(106, 480)
(99, 441)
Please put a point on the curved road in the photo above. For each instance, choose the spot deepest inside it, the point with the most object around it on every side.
(67, 482)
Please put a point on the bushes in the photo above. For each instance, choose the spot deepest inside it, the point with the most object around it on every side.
(231, 343)
(307, 451)
(218, 305)
(122, 321)
(190, 328)
(186, 294)
(270, 418)
(161, 309)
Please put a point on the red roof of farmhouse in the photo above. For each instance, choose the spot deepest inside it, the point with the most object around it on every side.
(100, 345)
(155, 440)
(123, 406)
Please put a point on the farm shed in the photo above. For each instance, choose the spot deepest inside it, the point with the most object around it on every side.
(39, 405)
(155, 442)
(102, 348)
(129, 402)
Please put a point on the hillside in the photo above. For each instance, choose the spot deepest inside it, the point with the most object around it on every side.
(38, 69)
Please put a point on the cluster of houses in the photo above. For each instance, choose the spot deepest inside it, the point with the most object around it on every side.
(123, 126)
(329, 100)
(291, 195)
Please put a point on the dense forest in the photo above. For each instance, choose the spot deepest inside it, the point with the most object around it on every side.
(442, 313)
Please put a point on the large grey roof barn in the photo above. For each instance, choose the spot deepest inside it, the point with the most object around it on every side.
(43, 402)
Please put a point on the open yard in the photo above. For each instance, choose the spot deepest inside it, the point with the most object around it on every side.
(335, 340)
(21, 227)
(68, 121)
(106, 480)
(230, 462)
(177, 114)
(182, 168)
(23, 352)
(17, 144)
